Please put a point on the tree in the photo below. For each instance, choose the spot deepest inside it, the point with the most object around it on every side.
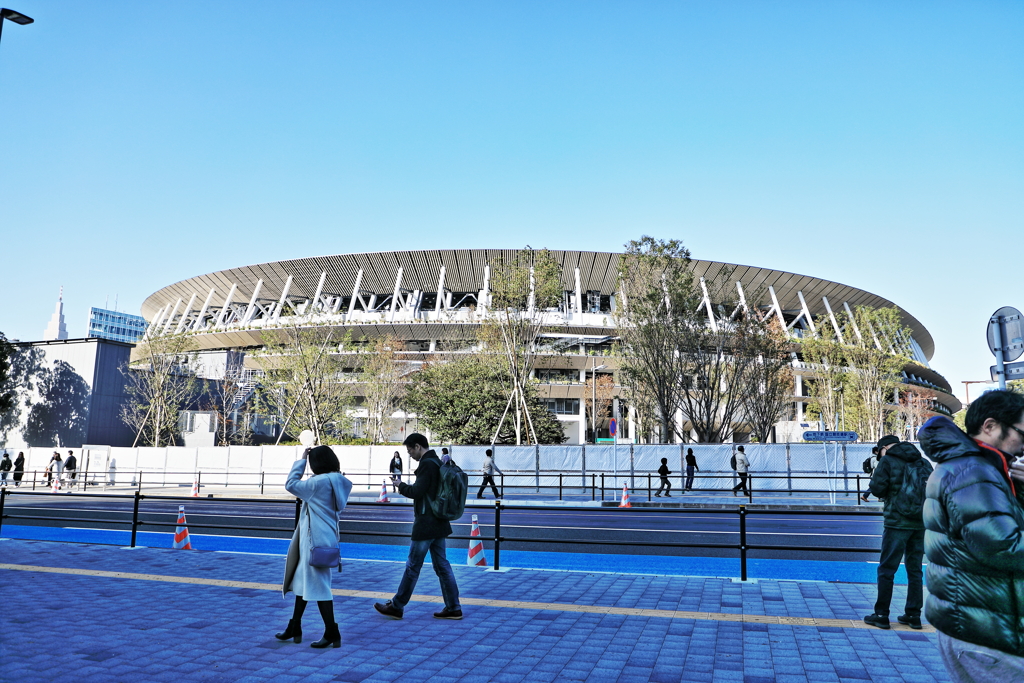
(159, 384)
(597, 397)
(228, 397)
(305, 379)
(769, 380)
(827, 359)
(382, 377)
(522, 287)
(911, 412)
(657, 298)
(462, 400)
(7, 396)
(877, 356)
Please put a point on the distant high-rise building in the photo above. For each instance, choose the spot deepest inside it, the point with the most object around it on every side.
(57, 330)
(115, 325)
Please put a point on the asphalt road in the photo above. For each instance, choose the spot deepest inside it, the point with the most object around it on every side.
(579, 530)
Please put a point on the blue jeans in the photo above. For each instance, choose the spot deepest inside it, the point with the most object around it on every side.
(689, 477)
(417, 553)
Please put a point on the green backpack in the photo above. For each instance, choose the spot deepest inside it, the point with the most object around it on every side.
(909, 501)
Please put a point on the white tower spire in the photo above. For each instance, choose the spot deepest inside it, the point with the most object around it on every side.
(57, 329)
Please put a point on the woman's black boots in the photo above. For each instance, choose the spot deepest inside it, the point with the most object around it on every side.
(332, 637)
(294, 630)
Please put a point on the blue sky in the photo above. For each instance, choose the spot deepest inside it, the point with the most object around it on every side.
(876, 144)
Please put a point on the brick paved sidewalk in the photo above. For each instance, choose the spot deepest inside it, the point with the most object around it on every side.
(208, 616)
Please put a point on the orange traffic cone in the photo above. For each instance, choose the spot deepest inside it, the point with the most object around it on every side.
(195, 487)
(383, 497)
(56, 484)
(624, 503)
(476, 556)
(181, 539)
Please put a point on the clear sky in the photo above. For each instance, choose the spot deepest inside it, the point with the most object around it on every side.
(877, 144)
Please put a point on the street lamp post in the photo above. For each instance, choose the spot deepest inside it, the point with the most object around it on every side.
(11, 15)
(593, 401)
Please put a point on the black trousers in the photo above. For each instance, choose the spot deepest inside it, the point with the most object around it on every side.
(666, 485)
(906, 545)
(743, 483)
(488, 479)
(689, 477)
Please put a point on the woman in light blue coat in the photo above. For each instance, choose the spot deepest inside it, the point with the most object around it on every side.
(323, 498)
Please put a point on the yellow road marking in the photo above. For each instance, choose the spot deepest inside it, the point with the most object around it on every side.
(482, 602)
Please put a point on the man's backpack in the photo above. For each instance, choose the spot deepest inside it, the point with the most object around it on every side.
(450, 501)
(732, 462)
(909, 500)
(868, 469)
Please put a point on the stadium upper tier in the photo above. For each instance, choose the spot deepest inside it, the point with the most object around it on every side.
(442, 294)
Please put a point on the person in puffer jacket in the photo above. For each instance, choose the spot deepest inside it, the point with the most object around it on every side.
(974, 539)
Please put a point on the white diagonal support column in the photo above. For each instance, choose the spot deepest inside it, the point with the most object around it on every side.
(853, 322)
(832, 316)
(440, 292)
(484, 300)
(355, 292)
(202, 311)
(806, 311)
(174, 312)
(250, 310)
(579, 293)
(532, 303)
(225, 311)
(743, 302)
(395, 295)
(316, 297)
(777, 307)
(155, 322)
(184, 314)
(284, 299)
(707, 306)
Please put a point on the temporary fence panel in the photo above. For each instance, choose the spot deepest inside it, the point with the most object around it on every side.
(181, 465)
(355, 463)
(380, 463)
(244, 465)
(121, 468)
(151, 463)
(768, 466)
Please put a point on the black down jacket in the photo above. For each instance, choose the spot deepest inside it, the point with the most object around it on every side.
(974, 540)
(887, 478)
(428, 478)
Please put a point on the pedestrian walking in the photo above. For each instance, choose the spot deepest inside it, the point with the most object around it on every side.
(5, 467)
(741, 466)
(54, 468)
(19, 469)
(445, 457)
(899, 481)
(488, 469)
(71, 468)
(974, 532)
(396, 472)
(428, 534)
(323, 496)
(869, 466)
(666, 485)
(691, 467)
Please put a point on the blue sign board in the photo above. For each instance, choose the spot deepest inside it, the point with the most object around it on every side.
(612, 426)
(830, 436)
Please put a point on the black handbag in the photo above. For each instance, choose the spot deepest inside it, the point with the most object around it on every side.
(323, 557)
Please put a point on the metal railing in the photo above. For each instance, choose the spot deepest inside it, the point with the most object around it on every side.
(744, 546)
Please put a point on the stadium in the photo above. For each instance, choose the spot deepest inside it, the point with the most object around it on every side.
(434, 301)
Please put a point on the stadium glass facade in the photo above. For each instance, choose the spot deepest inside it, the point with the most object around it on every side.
(116, 326)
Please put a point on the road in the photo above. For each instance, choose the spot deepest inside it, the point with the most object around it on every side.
(567, 530)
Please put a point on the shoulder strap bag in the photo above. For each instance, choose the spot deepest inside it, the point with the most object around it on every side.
(320, 556)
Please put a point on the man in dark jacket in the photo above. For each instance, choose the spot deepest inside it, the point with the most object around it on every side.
(903, 527)
(975, 539)
(428, 533)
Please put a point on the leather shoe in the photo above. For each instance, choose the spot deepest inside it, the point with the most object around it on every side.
(877, 620)
(448, 614)
(388, 609)
(912, 622)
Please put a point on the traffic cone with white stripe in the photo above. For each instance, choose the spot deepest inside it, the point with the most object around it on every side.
(195, 487)
(624, 503)
(383, 497)
(181, 539)
(56, 484)
(476, 556)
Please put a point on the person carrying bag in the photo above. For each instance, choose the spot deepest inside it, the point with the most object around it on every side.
(313, 550)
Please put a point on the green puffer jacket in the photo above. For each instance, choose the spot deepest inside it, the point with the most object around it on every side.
(887, 478)
(974, 540)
